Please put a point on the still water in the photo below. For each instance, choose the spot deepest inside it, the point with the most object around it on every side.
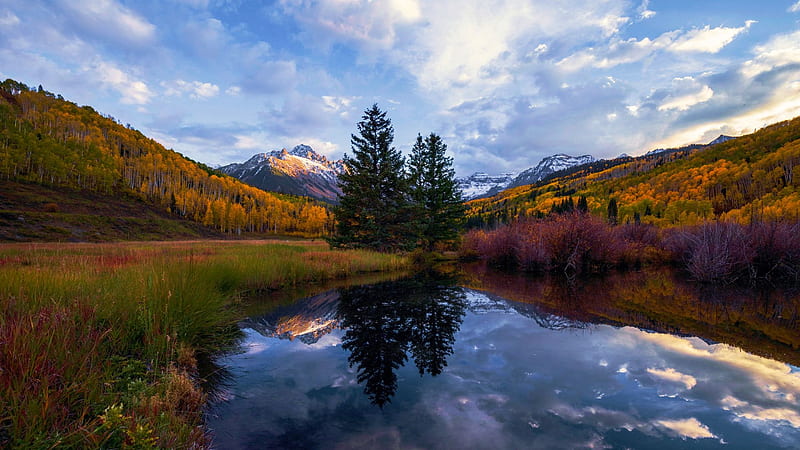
(498, 361)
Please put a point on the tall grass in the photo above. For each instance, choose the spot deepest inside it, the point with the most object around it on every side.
(98, 342)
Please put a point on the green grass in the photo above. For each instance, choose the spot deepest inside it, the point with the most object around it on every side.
(99, 340)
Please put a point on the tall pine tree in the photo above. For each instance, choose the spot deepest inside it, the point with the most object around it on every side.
(374, 210)
(439, 208)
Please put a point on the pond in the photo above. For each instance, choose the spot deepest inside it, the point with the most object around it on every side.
(639, 360)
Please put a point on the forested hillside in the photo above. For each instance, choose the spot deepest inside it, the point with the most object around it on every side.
(747, 178)
(47, 140)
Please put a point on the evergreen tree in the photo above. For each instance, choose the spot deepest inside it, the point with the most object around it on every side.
(374, 211)
(439, 208)
(583, 204)
(613, 211)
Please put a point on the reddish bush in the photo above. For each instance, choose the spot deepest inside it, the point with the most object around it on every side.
(569, 242)
(643, 244)
(775, 250)
(714, 252)
(727, 252)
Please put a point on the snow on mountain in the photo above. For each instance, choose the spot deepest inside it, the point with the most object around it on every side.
(550, 165)
(720, 139)
(300, 171)
(307, 319)
(311, 318)
(479, 183)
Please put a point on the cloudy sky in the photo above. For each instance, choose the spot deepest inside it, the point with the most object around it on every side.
(505, 82)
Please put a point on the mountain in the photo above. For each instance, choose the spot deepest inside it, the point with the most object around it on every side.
(55, 144)
(311, 318)
(719, 140)
(300, 171)
(307, 319)
(548, 166)
(480, 183)
(740, 179)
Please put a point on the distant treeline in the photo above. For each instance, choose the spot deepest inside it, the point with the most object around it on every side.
(47, 140)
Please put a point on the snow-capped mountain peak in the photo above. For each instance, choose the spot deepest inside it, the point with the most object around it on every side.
(550, 165)
(720, 139)
(479, 183)
(300, 171)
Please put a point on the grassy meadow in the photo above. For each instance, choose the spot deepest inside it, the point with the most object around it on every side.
(99, 342)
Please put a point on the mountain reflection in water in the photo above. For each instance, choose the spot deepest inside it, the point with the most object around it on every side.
(639, 360)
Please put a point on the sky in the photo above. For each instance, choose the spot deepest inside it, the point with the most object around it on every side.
(505, 83)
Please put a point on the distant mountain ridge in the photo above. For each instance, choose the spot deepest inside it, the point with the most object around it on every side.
(743, 179)
(481, 184)
(300, 171)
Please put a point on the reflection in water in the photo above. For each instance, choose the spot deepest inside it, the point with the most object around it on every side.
(386, 321)
(764, 322)
(610, 363)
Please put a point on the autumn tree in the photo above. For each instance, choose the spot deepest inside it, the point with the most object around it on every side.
(439, 208)
(374, 210)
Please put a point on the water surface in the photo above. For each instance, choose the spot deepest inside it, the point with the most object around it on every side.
(635, 361)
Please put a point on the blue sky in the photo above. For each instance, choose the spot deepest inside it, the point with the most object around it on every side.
(504, 82)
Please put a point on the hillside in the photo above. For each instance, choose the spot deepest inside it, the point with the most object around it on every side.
(32, 212)
(737, 179)
(48, 141)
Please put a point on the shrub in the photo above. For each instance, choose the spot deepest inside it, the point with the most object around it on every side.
(574, 243)
(724, 252)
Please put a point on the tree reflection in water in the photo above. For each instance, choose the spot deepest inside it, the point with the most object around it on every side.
(387, 321)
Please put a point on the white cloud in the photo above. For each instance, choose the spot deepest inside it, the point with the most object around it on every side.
(686, 428)
(207, 38)
(247, 142)
(8, 19)
(342, 106)
(685, 93)
(778, 51)
(755, 412)
(372, 24)
(625, 51)
(707, 39)
(673, 375)
(195, 89)
(108, 21)
(233, 90)
(133, 91)
(644, 12)
(794, 8)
